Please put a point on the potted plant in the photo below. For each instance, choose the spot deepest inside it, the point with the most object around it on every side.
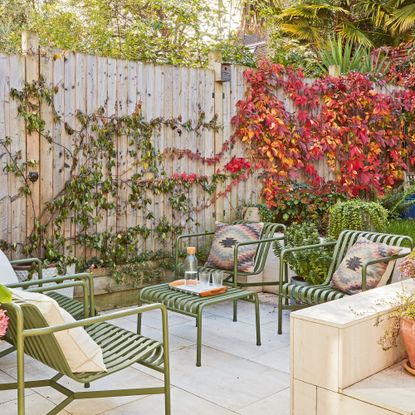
(310, 266)
(402, 318)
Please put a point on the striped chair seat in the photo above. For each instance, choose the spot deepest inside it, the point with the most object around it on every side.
(73, 307)
(311, 294)
(121, 348)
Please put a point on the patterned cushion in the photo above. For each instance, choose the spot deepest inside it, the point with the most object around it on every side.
(226, 236)
(348, 276)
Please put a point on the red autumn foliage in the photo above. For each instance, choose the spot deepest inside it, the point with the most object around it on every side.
(237, 164)
(365, 136)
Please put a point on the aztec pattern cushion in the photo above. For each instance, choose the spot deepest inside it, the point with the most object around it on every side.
(226, 236)
(348, 276)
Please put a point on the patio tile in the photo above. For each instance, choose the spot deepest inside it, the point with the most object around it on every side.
(276, 404)
(128, 378)
(182, 403)
(35, 405)
(9, 395)
(278, 359)
(237, 338)
(227, 380)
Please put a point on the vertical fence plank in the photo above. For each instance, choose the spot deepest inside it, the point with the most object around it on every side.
(46, 148)
(69, 119)
(4, 158)
(102, 103)
(30, 47)
(15, 129)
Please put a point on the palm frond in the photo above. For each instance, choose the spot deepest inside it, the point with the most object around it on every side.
(352, 33)
(311, 11)
(403, 19)
(301, 30)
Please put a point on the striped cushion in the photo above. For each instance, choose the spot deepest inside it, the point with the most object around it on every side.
(311, 294)
(221, 255)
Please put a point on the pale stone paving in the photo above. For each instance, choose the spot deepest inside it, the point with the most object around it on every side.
(236, 377)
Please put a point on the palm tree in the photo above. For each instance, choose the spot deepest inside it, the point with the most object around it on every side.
(365, 22)
(402, 20)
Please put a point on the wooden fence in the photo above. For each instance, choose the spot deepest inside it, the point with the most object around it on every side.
(86, 83)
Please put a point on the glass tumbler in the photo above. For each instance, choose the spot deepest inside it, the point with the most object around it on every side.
(204, 278)
(217, 278)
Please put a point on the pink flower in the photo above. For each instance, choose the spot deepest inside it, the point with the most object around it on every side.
(4, 322)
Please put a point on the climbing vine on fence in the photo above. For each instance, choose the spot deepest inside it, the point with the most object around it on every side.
(92, 187)
(366, 137)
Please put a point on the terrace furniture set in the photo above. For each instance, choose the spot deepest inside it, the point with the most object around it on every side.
(30, 333)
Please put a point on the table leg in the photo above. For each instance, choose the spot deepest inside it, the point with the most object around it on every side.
(199, 339)
(257, 321)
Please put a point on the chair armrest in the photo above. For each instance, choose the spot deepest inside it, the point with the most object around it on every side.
(81, 276)
(247, 243)
(376, 261)
(26, 284)
(97, 319)
(85, 289)
(283, 277)
(29, 261)
(177, 245)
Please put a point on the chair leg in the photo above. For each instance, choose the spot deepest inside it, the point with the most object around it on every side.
(235, 310)
(199, 339)
(7, 351)
(257, 321)
(139, 319)
(279, 314)
(20, 378)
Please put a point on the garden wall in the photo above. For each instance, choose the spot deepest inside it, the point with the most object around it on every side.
(85, 83)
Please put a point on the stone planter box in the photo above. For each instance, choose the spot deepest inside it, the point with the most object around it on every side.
(337, 365)
(110, 294)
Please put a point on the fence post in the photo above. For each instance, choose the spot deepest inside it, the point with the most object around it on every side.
(215, 60)
(334, 70)
(30, 49)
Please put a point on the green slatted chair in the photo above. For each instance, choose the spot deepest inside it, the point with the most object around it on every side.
(317, 294)
(51, 287)
(267, 238)
(77, 309)
(29, 333)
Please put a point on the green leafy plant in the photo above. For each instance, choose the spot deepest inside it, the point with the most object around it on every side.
(299, 202)
(356, 215)
(348, 58)
(311, 265)
(401, 227)
(396, 201)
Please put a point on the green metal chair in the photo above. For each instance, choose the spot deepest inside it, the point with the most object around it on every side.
(51, 287)
(264, 243)
(305, 296)
(29, 333)
(74, 307)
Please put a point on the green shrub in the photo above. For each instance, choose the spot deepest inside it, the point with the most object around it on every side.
(401, 227)
(312, 265)
(356, 215)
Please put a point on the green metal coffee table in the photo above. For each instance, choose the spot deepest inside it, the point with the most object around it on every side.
(193, 306)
